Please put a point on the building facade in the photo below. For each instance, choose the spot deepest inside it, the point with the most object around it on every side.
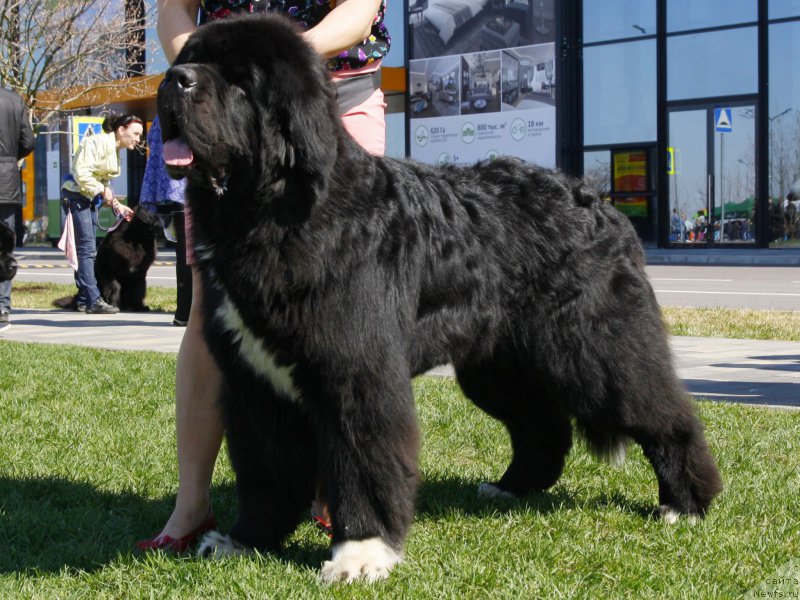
(684, 113)
(706, 95)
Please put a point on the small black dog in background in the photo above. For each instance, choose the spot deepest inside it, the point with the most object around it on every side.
(8, 265)
(122, 261)
(123, 258)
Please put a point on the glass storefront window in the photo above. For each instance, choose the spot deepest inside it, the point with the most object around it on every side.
(717, 63)
(597, 170)
(619, 93)
(616, 19)
(779, 9)
(784, 133)
(683, 15)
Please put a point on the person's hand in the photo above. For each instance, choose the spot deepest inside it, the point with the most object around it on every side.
(125, 212)
(108, 196)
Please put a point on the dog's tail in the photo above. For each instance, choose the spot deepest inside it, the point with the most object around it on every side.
(67, 302)
(607, 446)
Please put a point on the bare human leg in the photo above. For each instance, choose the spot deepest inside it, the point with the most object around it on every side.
(199, 427)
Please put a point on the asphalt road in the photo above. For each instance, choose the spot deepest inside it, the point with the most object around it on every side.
(756, 287)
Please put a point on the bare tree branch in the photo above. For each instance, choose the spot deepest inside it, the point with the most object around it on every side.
(55, 52)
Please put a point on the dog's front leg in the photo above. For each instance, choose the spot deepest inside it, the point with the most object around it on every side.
(273, 451)
(369, 461)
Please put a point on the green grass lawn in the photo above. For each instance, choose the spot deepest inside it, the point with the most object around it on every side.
(87, 467)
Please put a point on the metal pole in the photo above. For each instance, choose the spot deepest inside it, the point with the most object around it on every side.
(722, 185)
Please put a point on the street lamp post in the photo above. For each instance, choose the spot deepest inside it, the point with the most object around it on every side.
(746, 177)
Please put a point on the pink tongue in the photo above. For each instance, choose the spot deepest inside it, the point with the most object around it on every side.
(177, 153)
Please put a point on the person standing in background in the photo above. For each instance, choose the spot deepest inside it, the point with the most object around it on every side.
(16, 142)
(165, 196)
(88, 186)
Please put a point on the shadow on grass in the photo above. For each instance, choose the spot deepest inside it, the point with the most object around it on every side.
(445, 497)
(50, 524)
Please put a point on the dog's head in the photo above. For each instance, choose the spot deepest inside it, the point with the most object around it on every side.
(249, 105)
(146, 221)
(8, 265)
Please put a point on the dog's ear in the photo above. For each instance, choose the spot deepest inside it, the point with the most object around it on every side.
(304, 135)
(299, 125)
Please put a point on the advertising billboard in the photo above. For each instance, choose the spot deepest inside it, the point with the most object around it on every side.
(482, 81)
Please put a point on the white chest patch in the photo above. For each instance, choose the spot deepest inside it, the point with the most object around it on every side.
(253, 350)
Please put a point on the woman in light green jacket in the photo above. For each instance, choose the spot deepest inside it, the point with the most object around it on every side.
(95, 164)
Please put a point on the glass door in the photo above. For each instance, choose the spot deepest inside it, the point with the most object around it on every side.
(712, 180)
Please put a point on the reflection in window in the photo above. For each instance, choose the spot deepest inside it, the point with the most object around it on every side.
(779, 9)
(617, 19)
(619, 93)
(718, 63)
(683, 15)
(688, 176)
(597, 171)
(784, 131)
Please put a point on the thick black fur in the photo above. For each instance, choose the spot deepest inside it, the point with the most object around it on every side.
(8, 264)
(123, 258)
(355, 273)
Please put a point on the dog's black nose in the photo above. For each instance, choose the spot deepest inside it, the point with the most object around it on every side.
(183, 77)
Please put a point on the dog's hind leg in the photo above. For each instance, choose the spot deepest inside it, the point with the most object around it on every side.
(540, 430)
(132, 295)
(687, 474)
(273, 452)
(110, 291)
(645, 401)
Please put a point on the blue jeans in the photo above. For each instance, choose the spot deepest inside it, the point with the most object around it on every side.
(7, 212)
(84, 220)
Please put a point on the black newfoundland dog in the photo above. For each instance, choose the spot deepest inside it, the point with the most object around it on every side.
(123, 259)
(332, 277)
(8, 264)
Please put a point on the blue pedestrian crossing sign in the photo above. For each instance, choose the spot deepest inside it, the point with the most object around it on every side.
(723, 121)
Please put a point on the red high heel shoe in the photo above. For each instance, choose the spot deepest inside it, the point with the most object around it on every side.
(167, 543)
(321, 522)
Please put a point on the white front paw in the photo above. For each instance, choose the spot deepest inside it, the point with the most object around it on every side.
(371, 560)
(214, 545)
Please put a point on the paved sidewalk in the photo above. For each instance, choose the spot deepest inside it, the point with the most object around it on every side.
(745, 371)
(122, 331)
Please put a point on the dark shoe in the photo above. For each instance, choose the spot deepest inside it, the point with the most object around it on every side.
(101, 307)
(80, 307)
(170, 544)
(179, 322)
(5, 321)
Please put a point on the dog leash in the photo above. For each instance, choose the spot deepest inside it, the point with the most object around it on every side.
(116, 224)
